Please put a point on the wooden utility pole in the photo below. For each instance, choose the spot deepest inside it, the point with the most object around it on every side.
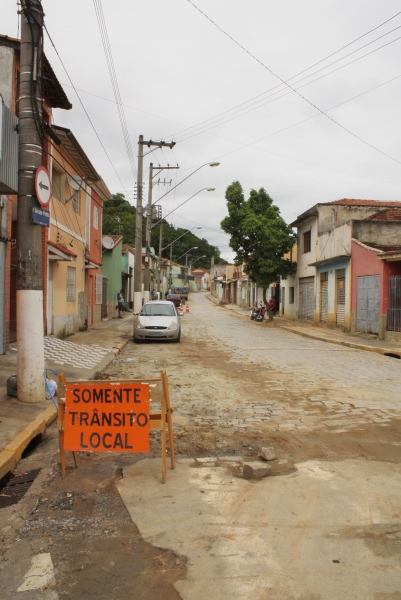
(30, 331)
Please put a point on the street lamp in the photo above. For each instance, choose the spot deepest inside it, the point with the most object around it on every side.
(194, 261)
(176, 240)
(209, 189)
(212, 164)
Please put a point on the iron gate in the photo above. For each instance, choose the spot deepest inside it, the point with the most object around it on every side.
(324, 296)
(367, 316)
(306, 297)
(394, 310)
(340, 310)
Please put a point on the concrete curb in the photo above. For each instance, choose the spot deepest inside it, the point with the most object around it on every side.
(12, 453)
(365, 347)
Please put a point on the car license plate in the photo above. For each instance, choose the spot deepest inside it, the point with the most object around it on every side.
(154, 334)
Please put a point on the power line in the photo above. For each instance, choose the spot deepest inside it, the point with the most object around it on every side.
(83, 106)
(243, 111)
(293, 89)
(114, 82)
(250, 145)
(297, 75)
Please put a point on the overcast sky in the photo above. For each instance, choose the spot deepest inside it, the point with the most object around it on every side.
(176, 70)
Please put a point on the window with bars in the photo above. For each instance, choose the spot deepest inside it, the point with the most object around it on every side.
(75, 202)
(95, 217)
(306, 241)
(70, 284)
(99, 289)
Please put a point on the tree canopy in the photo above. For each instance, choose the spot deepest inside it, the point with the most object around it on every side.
(119, 218)
(259, 235)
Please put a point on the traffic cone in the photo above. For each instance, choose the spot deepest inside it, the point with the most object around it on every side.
(187, 309)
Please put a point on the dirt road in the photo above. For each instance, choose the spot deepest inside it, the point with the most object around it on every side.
(235, 386)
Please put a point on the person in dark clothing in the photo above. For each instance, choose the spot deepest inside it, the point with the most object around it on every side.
(120, 303)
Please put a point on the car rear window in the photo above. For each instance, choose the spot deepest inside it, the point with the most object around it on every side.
(158, 310)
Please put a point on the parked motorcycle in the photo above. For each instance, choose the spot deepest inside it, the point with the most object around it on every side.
(261, 313)
(258, 312)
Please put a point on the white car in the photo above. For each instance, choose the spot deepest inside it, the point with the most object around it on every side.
(157, 321)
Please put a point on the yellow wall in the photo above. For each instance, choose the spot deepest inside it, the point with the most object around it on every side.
(67, 229)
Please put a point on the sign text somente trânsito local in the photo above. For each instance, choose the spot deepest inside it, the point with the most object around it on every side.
(107, 416)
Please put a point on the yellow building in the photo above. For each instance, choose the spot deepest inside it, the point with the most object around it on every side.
(72, 177)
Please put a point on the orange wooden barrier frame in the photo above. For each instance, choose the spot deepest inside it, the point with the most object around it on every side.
(162, 420)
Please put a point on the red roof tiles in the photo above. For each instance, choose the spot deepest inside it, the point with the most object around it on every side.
(391, 214)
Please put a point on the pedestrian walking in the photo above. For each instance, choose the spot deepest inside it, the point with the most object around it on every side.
(120, 303)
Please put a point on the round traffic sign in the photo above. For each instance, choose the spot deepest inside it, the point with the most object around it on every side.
(43, 187)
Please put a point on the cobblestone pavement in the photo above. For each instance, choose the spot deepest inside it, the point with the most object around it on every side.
(353, 387)
(235, 382)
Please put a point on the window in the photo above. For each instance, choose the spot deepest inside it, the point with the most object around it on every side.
(95, 217)
(99, 289)
(70, 284)
(292, 295)
(58, 185)
(75, 202)
(306, 241)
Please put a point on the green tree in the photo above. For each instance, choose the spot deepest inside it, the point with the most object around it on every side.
(259, 236)
(119, 218)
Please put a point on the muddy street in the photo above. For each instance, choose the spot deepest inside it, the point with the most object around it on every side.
(332, 414)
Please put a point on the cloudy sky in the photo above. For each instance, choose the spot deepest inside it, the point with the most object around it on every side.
(181, 78)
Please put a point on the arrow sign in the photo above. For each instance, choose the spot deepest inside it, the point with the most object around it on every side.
(43, 187)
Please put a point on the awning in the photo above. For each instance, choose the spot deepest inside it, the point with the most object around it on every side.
(329, 260)
(126, 274)
(91, 265)
(58, 252)
(390, 256)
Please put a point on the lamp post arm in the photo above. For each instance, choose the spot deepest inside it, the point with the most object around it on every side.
(179, 206)
(176, 186)
(176, 240)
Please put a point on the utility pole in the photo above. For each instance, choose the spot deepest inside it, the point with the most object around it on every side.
(159, 275)
(171, 267)
(148, 234)
(30, 331)
(147, 277)
(138, 224)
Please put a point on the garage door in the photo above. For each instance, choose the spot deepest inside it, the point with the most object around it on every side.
(306, 298)
(367, 316)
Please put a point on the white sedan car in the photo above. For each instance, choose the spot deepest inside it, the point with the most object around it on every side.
(157, 321)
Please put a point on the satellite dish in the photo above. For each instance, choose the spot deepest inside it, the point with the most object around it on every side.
(107, 242)
(75, 182)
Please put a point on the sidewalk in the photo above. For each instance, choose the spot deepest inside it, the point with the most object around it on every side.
(358, 341)
(81, 356)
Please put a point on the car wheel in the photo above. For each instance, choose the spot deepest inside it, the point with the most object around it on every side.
(177, 341)
(137, 341)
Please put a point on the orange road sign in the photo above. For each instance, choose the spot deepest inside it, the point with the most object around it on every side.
(107, 416)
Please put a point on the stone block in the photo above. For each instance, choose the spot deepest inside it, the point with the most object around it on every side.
(267, 453)
(255, 470)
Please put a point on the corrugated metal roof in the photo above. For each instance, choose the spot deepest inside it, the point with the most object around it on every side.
(71, 144)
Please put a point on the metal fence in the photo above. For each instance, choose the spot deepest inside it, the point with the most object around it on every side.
(394, 310)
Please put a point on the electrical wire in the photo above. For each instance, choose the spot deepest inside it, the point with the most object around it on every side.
(290, 78)
(83, 106)
(293, 89)
(245, 112)
(114, 82)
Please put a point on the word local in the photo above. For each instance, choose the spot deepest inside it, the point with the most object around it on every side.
(121, 427)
